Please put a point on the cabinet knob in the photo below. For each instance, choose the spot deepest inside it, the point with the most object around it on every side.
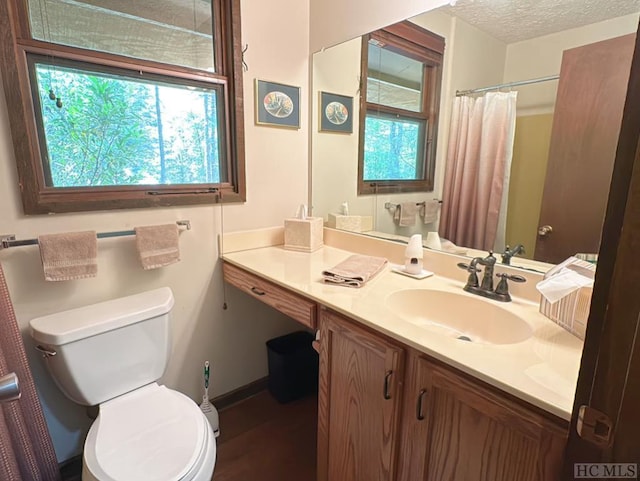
(387, 377)
(257, 291)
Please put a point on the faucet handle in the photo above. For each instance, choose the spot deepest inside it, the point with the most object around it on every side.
(502, 289)
(511, 277)
(472, 280)
(468, 267)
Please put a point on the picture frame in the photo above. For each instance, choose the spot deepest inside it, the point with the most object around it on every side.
(336, 113)
(277, 104)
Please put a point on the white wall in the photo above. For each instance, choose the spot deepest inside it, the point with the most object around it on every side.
(337, 70)
(335, 21)
(542, 56)
(232, 340)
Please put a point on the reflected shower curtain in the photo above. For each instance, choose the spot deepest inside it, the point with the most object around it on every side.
(26, 451)
(477, 170)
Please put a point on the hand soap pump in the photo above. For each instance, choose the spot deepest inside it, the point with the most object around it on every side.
(413, 255)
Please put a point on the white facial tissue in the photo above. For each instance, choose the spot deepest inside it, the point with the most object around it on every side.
(566, 278)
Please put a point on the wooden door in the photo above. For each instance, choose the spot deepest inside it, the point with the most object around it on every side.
(609, 379)
(584, 136)
(455, 428)
(359, 403)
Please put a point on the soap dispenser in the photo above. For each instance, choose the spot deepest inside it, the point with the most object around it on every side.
(413, 255)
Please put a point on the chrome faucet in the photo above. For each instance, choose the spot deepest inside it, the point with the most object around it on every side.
(509, 253)
(485, 288)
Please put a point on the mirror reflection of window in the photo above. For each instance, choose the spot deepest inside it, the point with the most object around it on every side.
(401, 75)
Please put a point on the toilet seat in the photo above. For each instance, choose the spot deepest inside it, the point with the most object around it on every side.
(150, 434)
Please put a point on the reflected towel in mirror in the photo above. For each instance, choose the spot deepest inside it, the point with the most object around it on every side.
(430, 210)
(405, 214)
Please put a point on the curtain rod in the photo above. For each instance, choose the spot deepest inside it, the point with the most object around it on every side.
(460, 93)
(9, 240)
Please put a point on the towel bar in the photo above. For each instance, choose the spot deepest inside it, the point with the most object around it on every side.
(392, 206)
(9, 240)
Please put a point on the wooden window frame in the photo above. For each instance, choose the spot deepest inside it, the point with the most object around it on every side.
(411, 40)
(38, 198)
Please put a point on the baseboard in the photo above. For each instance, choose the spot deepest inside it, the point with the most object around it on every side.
(243, 392)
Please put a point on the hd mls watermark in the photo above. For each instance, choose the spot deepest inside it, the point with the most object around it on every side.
(605, 471)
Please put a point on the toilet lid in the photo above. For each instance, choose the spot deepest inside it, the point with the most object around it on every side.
(150, 434)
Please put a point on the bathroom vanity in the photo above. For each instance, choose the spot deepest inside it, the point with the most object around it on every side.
(401, 399)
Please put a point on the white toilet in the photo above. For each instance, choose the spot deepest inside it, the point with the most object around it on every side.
(111, 354)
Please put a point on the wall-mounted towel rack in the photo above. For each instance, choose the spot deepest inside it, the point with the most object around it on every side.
(9, 240)
(392, 206)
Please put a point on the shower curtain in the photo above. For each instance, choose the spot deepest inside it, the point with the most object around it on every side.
(26, 451)
(476, 182)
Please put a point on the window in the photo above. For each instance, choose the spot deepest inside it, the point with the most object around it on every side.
(124, 104)
(401, 75)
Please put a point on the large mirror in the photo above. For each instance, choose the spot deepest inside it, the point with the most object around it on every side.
(484, 47)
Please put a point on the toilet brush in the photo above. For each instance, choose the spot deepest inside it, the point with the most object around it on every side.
(208, 409)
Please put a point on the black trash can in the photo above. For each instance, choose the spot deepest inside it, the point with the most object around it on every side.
(293, 366)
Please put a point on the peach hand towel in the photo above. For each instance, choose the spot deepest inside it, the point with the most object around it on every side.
(157, 245)
(405, 214)
(354, 271)
(430, 211)
(69, 256)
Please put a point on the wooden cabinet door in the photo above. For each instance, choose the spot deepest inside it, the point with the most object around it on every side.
(455, 429)
(359, 402)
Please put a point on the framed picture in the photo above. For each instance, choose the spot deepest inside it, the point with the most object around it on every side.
(336, 113)
(277, 105)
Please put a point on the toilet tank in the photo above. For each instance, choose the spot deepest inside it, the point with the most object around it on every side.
(100, 351)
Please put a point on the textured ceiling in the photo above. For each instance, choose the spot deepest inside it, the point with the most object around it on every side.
(516, 20)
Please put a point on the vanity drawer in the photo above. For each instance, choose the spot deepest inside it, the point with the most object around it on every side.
(293, 305)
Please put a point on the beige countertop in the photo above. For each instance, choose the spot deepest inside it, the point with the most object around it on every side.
(541, 370)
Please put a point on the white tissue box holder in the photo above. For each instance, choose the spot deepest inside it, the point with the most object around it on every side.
(572, 311)
(352, 223)
(304, 235)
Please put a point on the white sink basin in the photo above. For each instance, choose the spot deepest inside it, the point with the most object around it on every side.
(459, 315)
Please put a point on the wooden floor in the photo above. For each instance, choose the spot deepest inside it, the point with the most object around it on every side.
(262, 440)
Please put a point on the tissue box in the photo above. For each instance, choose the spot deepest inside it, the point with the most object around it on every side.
(303, 234)
(572, 310)
(352, 223)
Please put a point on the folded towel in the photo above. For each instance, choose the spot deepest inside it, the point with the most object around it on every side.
(405, 214)
(69, 256)
(355, 271)
(430, 211)
(157, 245)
